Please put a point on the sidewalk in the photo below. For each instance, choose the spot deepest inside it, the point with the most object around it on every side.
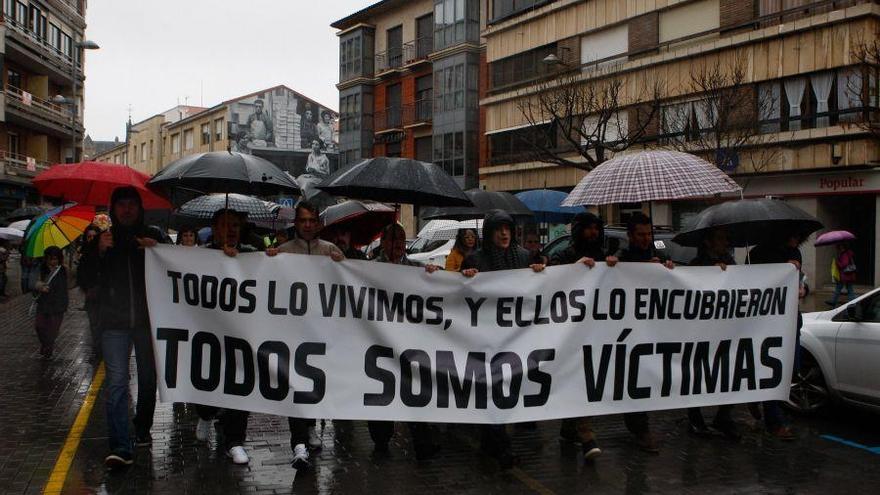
(39, 401)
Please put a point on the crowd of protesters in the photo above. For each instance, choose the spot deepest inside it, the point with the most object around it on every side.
(111, 275)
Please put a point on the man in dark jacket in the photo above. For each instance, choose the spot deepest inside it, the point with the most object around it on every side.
(124, 321)
(640, 234)
(499, 252)
(587, 248)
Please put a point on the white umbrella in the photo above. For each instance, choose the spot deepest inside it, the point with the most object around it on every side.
(650, 176)
(21, 225)
(444, 230)
(11, 234)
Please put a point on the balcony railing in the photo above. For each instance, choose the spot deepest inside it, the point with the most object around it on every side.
(57, 114)
(389, 60)
(410, 52)
(49, 53)
(420, 112)
(20, 165)
(390, 118)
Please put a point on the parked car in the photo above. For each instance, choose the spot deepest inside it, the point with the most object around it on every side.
(616, 239)
(840, 357)
(437, 256)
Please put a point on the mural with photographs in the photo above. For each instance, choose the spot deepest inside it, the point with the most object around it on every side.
(297, 134)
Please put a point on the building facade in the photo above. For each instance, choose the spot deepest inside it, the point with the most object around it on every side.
(801, 55)
(409, 82)
(40, 59)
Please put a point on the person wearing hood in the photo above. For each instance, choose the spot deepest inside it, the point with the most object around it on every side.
(586, 248)
(498, 252)
(124, 321)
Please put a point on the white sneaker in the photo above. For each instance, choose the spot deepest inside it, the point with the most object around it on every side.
(203, 429)
(238, 454)
(315, 442)
(300, 458)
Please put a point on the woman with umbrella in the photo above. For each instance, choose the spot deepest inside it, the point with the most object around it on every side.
(843, 266)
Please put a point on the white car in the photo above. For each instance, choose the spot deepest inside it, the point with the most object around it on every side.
(840, 357)
(436, 256)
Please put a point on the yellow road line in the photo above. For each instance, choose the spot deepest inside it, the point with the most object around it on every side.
(74, 436)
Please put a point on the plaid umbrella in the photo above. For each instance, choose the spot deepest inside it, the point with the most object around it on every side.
(650, 176)
(204, 207)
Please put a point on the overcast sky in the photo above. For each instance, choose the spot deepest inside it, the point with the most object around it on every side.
(156, 54)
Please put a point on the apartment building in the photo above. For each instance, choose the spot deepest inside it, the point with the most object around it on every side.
(277, 123)
(40, 58)
(800, 54)
(409, 82)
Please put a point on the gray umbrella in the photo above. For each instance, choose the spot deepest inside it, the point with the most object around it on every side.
(396, 180)
(204, 207)
(749, 222)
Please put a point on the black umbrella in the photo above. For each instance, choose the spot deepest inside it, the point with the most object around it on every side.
(221, 172)
(749, 222)
(483, 202)
(396, 180)
(25, 213)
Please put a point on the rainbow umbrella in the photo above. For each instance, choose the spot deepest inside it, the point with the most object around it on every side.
(57, 227)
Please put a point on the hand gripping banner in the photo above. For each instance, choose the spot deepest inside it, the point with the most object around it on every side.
(305, 336)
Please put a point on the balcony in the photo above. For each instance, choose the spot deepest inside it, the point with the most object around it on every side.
(390, 119)
(25, 109)
(20, 167)
(410, 53)
(24, 46)
(418, 114)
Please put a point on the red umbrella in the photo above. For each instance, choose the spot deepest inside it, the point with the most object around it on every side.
(365, 220)
(92, 183)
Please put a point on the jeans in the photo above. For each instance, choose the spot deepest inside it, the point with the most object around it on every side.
(117, 346)
(838, 288)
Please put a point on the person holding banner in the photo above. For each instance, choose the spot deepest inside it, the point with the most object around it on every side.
(226, 229)
(306, 227)
(125, 321)
(714, 251)
(394, 252)
(640, 249)
(786, 250)
(588, 248)
(499, 252)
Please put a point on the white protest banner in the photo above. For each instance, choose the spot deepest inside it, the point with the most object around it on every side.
(305, 336)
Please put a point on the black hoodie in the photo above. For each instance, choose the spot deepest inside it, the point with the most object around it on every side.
(120, 272)
(489, 258)
(579, 247)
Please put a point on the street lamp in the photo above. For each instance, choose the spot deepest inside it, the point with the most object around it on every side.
(85, 45)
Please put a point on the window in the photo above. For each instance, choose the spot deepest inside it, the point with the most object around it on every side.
(151, 150)
(769, 106)
(350, 57)
(13, 143)
(21, 18)
(423, 149)
(218, 130)
(394, 55)
(144, 152)
(13, 78)
(605, 45)
(66, 45)
(449, 153)
(392, 106)
(507, 8)
(392, 150)
(37, 22)
(424, 98)
(449, 88)
(455, 21)
(206, 134)
(55, 37)
(350, 113)
(188, 139)
(689, 19)
(510, 145)
(175, 143)
(522, 67)
(9, 10)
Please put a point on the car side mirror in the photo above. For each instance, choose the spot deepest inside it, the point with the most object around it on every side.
(854, 312)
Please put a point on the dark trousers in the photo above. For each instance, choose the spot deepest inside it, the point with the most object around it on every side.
(146, 378)
(577, 429)
(299, 431)
(637, 423)
(494, 439)
(91, 306)
(695, 415)
(382, 431)
(47, 326)
(233, 423)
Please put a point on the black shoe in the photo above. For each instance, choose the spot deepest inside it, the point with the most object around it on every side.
(426, 452)
(591, 450)
(143, 439)
(728, 429)
(118, 460)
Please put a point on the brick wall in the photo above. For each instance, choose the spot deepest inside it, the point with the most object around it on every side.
(736, 12)
(644, 32)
